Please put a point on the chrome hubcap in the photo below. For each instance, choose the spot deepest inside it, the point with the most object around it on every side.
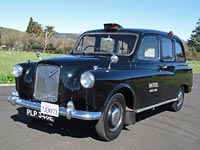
(115, 116)
(180, 98)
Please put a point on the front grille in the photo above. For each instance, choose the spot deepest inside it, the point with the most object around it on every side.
(46, 83)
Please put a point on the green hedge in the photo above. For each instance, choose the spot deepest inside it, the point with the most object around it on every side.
(6, 78)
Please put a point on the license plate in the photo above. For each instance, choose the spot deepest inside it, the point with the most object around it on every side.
(39, 115)
(49, 109)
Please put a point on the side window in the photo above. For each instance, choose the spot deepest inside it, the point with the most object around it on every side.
(122, 47)
(86, 42)
(148, 48)
(179, 52)
(167, 49)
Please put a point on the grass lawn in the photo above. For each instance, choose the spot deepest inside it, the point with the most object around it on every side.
(9, 58)
(195, 65)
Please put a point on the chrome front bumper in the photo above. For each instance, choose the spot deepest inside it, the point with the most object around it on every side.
(68, 112)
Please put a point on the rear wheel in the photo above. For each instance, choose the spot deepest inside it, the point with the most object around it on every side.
(111, 122)
(177, 105)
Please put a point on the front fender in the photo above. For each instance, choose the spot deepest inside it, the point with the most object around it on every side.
(24, 84)
(109, 82)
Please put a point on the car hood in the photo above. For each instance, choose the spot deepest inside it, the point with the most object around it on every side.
(78, 60)
(72, 66)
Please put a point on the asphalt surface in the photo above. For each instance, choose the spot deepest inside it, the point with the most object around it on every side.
(157, 129)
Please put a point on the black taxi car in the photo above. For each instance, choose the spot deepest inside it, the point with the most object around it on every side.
(110, 75)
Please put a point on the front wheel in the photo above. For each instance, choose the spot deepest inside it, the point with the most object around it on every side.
(111, 122)
(177, 105)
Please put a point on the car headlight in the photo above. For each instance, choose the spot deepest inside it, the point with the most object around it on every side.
(17, 70)
(87, 79)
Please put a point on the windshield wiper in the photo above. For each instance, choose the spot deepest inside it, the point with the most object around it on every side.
(84, 52)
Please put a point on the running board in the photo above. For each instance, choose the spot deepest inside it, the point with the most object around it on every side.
(156, 105)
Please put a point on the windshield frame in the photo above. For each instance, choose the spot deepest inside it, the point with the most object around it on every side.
(103, 33)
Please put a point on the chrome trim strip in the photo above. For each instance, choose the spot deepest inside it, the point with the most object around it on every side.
(68, 112)
(156, 105)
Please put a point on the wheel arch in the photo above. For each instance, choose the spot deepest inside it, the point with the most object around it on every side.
(186, 88)
(127, 92)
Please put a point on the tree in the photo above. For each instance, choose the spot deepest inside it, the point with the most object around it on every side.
(194, 41)
(34, 28)
(43, 34)
(30, 28)
(25, 40)
(37, 29)
(12, 40)
(0, 39)
(47, 34)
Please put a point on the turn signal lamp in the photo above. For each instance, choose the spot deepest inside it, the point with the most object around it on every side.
(170, 33)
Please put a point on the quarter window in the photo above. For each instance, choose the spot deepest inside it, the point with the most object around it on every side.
(167, 50)
(179, 52)
(149, 48)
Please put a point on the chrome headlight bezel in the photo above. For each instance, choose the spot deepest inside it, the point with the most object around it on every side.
(87, 79)
(17, 70)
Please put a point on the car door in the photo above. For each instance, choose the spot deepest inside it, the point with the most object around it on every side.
(148, 64)
(172, 56)
(168, 67)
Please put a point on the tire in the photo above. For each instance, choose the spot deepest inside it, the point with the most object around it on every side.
(177, 105)
(112, 120)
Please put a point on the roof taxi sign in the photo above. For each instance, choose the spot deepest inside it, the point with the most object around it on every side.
(112, 26)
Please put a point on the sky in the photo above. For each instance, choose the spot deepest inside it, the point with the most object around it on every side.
(78, 16)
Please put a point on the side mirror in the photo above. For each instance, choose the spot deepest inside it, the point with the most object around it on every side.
(38, 54)
(113, 59)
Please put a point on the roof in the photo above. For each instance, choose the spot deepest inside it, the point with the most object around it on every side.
(135, 30)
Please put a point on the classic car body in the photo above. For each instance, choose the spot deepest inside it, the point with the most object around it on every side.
(110, 75)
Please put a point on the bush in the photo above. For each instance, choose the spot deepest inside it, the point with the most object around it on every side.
(192, 55)
(6, 78)
(36, 46)
(187, 53)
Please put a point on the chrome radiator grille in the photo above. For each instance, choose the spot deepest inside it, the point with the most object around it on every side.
(46, 83)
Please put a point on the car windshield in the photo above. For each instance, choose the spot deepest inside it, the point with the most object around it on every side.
(106, 43)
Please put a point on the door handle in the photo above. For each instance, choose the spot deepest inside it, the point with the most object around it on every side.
(161, 67)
